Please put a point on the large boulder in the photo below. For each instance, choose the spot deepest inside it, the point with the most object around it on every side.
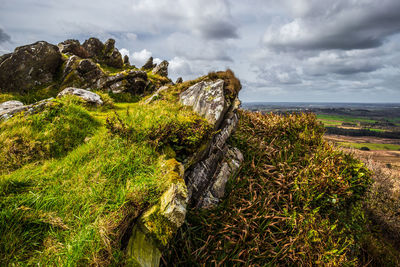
(161, 69)
(29, 66)
(94, 47)
(89, 97)
(207, 99)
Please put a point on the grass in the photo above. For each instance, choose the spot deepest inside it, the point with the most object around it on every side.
(296, 202)
(371, 146)
(343, 118)
(97, 170)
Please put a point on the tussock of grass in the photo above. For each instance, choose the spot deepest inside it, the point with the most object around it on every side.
(232, 84)
(295, 201)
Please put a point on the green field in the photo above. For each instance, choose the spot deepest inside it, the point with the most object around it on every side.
(343, 118)
(371, 146)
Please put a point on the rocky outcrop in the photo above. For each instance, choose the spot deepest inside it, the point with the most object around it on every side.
(215, 191)
(149, 64)
(10, 108)
(29, 66)
(87, 96)
(112, 57)
(70, 64)
(206, 178)
(207, 99)
(155, 228)
(161, 69)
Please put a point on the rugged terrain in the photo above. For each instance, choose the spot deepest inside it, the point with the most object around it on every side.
(104, 163)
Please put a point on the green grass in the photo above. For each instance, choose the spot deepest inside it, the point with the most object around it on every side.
(295, 202)
(343, 118)
(97, 170)
(371, 146)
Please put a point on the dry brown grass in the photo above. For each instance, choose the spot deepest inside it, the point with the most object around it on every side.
(382, 205)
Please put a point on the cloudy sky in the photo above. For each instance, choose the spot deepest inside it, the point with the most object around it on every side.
(287, 50)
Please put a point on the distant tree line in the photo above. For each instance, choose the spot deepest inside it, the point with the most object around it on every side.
(362, 132)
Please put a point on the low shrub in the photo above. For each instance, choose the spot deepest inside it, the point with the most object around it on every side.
(296, 202)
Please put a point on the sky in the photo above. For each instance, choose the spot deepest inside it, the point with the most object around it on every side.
(282, 51)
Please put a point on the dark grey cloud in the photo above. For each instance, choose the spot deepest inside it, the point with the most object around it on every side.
(338, 24)
(217, 30)
(4, 37)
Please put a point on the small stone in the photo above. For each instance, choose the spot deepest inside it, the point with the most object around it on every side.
(179, 80)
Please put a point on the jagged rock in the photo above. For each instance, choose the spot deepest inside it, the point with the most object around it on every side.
(29, 66)
(207, 99)
(149, 64)
(161, 69)
(109, 46)
(179, 80)
(94, 47)
(156, 226)
(86, 95)
(89, 71)
(126, 60)
(200, 176)
(73, 47)
(173, 204)
(114, 59)
(231, 163)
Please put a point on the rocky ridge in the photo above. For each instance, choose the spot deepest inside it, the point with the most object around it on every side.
(77, 69)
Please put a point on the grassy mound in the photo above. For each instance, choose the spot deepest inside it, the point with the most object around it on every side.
(295, 202)
(60, 127)
(81, 176)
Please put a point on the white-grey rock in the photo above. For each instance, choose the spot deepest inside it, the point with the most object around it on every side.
(207, 99)
(156, 95)
(10, 105)
(173, 204)
(86, 95)
(8, 108)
